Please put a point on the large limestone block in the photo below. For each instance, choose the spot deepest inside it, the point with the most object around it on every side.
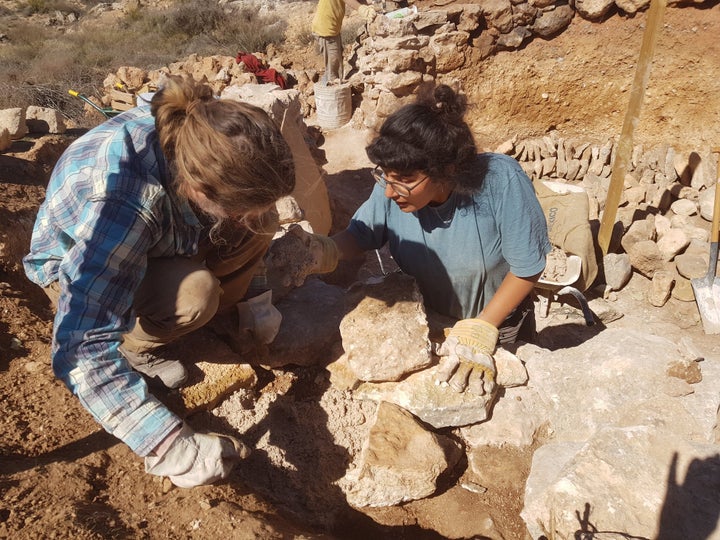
(310, 189)
(400, 461)
(400, 84)
(411, 42)
(617, 371)
(439, 405)
(430, 18)
(44, 120)
(499, 14)
(304, 340)
(384, 331)
(635, 482)
(645, 257)
(552, 22)
(395, 61)
(214, 372)
(515, 421)
(469, 17)
(132, 78)
(637, 232)
(704, 171)
(14, 121)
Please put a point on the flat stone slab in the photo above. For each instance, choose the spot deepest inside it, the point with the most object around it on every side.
(214, 371)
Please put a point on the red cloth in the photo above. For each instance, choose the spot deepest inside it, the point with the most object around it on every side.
(261, 71)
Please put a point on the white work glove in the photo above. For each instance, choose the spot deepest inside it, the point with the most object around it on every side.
(259, 317)
(297, 254)
(366, 12)
(467, 357)
(196, 459)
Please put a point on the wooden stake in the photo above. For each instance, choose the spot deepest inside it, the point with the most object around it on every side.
(624, 149)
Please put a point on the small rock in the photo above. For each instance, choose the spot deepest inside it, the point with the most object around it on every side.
(33, 367)
(690, 372)
(167, 485)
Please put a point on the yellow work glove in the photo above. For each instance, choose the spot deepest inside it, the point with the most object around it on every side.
(294, 256)
(366, 12)
(468, 357)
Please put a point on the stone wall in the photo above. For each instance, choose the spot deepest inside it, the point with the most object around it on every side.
(393, 56)
(665, 209)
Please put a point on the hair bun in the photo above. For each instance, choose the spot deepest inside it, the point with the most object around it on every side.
(447, 101)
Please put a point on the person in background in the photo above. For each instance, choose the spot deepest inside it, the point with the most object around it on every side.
(467, 226)
(154, 222)
(327, 29)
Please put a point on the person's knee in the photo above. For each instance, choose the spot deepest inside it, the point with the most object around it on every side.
(199, 297)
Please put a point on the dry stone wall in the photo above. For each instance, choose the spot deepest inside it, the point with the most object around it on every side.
(394, 55)
(665, 208)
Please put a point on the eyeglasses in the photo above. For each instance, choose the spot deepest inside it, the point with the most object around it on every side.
(399, 188)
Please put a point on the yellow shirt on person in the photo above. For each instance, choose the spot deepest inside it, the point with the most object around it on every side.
(328, 18)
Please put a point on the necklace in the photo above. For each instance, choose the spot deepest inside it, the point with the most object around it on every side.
(445, 212)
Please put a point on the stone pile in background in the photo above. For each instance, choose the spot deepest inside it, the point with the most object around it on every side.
(665, 210)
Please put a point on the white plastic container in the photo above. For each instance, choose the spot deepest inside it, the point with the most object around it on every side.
(333, 104)
(402, 13)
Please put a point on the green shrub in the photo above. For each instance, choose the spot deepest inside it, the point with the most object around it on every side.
(190, 18)
(304, 37)
(246, 30)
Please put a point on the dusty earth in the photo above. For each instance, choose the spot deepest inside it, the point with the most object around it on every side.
(61, 476)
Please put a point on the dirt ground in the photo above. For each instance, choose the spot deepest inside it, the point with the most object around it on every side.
(62, 476)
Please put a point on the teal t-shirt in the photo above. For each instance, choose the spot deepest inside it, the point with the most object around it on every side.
(460, 252)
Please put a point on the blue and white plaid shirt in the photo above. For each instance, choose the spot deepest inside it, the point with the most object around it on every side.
(108, 210)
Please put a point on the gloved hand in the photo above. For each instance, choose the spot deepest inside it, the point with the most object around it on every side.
(196, 459)
(366, 12)
(259, 317)
(467, 357)
(294, 256)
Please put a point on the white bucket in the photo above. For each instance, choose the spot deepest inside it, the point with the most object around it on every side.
(333, 104)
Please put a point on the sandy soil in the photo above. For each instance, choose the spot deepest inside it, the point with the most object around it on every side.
(62, 476)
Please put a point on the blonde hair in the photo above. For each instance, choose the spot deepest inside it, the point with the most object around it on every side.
(229, 151)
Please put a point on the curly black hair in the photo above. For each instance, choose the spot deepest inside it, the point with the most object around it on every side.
(429, 135)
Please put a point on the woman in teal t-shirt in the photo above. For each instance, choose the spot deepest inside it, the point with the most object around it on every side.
(467, 226)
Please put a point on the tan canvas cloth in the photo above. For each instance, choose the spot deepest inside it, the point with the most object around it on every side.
(567, 216)
(310, 190)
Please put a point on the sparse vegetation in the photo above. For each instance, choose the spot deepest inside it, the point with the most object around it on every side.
(38, 64)
(350, 30)
(30, 7)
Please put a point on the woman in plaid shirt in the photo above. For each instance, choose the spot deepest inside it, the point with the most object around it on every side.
(152, 224)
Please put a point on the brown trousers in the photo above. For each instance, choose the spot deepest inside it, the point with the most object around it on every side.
(179, 294)
(331, 49)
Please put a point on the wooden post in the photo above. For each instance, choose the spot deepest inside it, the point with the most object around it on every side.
(625, 145)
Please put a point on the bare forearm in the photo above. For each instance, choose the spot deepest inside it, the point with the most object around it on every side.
(511, 292)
